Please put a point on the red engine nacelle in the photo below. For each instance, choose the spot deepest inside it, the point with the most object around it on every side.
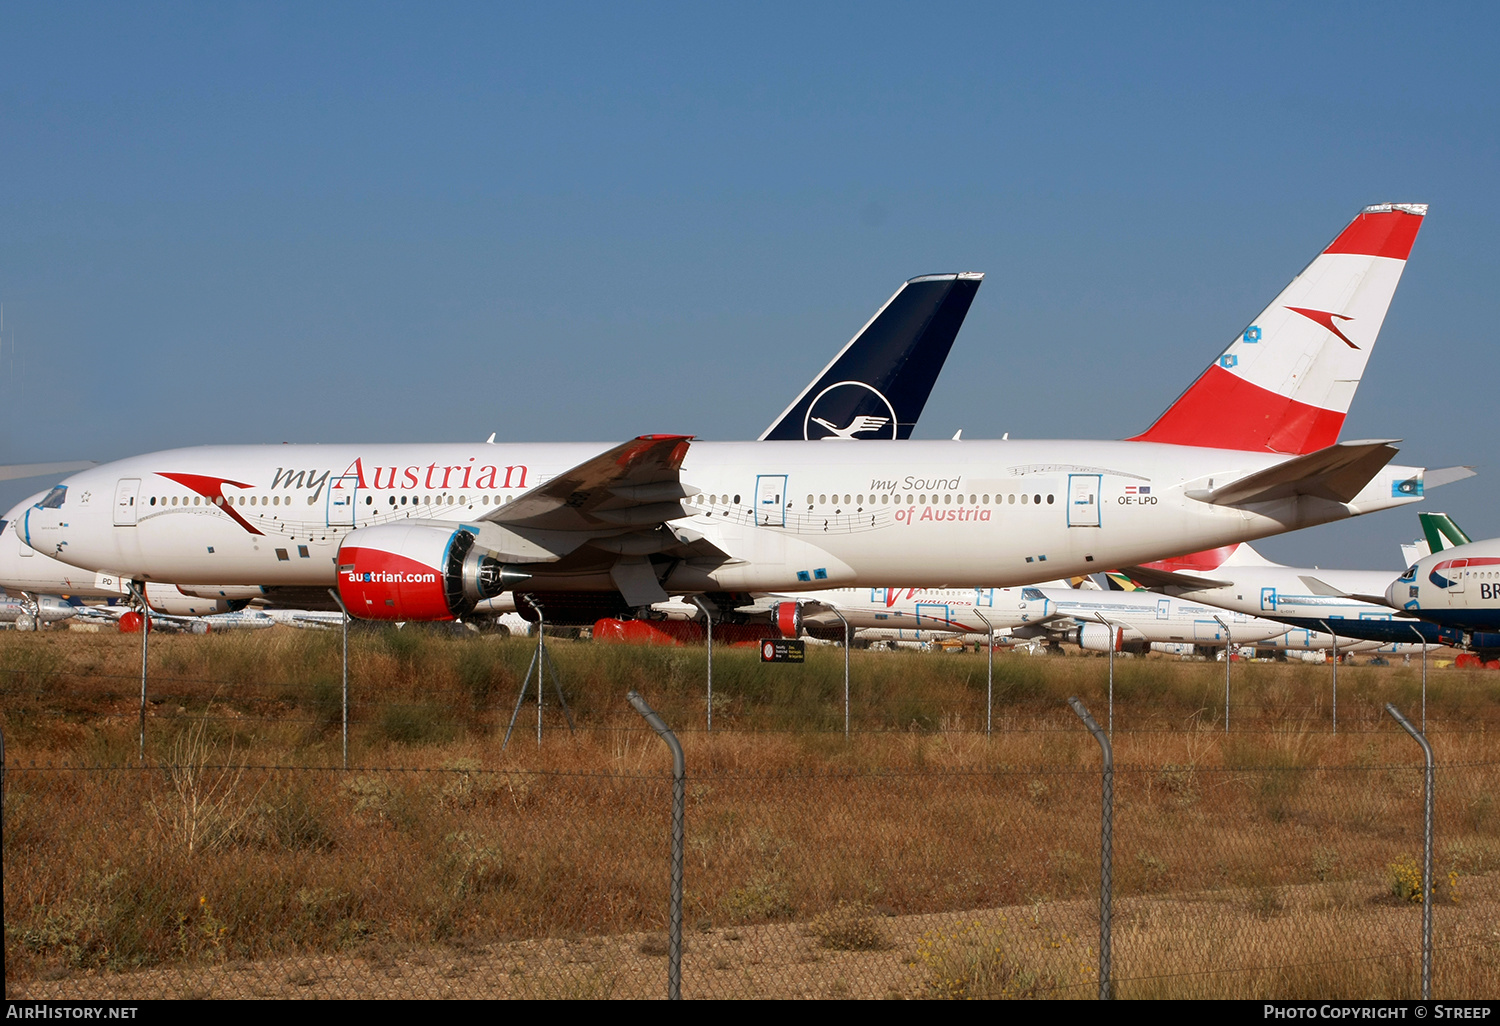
(788, 618)
(418, 571)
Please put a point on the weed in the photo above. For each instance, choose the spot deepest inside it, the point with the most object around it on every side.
(1324, 863)
(763, 898)
(1406, 879)
(850, 926)
(416, 724)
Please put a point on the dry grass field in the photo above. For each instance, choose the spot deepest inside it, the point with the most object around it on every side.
(918, 858)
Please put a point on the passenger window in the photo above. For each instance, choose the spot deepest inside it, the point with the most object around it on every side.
(1023, 500)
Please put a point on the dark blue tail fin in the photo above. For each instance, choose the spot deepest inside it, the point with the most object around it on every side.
(877, 385)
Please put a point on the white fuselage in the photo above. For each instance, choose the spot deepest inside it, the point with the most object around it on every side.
(1285, 593)
(790, 515)
(1141, 616)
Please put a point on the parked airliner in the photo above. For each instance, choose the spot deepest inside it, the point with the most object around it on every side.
(897, 355)
(1349, 603)
(1093, 619)
(427, 531)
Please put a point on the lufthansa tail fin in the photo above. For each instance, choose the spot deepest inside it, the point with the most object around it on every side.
(1285, 384)
(878, 384)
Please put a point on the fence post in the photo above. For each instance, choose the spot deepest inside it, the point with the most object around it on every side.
(848, 638)
(1335, 638)
(989, 677)
(1427, 895)
(708, 619)
(345, 610)
(140, 595)
(1422, 640)
(679, 804)
(1228, 651)
(1106, 843)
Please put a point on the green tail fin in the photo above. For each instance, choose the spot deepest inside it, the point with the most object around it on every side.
(1437, 526)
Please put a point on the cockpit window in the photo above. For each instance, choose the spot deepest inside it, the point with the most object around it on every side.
(1411, 572)
(54, 499)
(2, 525)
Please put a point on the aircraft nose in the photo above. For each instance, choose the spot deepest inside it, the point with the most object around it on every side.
(1397, 594)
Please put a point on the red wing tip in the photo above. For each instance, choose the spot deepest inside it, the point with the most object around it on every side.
(664, 438)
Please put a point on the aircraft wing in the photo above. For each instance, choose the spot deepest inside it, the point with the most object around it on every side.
(1153, 578)
(618, 502)
(632, 486)
(18, 471)
(1337, 472)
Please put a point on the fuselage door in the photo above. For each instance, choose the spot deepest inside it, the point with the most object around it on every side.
(1456, 573)
(770, 500)
(1268, 600)
(1164, 609)
(342, 496)
(126, 492)
(1083, 500)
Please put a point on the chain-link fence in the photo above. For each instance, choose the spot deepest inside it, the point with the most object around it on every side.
(919, 856)
(199, 877)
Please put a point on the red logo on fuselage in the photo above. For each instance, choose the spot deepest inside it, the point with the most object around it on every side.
(212, 489)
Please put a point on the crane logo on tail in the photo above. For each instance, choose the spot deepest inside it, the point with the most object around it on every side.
(849, 410)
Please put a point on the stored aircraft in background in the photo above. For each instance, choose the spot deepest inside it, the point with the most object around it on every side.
(1348, 603)
(1094, 619)
(1456, 588)
(29, 613)
(414, 532)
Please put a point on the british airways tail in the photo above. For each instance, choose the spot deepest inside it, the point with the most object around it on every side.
(878, 384)
(1285, 384)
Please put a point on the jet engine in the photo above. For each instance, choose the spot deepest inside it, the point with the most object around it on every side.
(787, 616)
(419, 571)
(1096, 637)
(173, 601)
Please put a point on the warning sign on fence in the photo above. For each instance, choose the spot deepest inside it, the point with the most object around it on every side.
(783, 650)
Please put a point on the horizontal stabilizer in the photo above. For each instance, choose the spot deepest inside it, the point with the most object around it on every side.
(1320, 587)
(1151, 577)
(1446, 475)
(1336, 473)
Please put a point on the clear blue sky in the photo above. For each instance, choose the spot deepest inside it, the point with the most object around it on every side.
(231, 223)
